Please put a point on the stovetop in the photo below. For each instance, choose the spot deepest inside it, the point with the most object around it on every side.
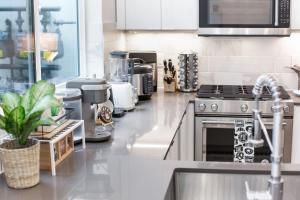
(236, 92)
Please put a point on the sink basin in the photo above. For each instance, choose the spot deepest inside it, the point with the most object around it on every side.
(205, 184)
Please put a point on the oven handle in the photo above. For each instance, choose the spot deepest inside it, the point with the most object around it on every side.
(232, 122)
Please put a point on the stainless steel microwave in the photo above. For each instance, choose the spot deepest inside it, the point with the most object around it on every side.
(244, 18)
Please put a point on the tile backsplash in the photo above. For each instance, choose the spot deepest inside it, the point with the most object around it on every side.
(222, 60)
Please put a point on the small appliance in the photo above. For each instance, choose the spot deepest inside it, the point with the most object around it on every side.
(94, 92)
(244, 17)
(142, 80)
(72, 100)
(148, 58)
(123, 96)
(117, 72)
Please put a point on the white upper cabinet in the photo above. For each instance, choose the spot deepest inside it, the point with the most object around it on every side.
(121, 14)
(295, 14)
(180, 14)
(157, 14)
(143, 14)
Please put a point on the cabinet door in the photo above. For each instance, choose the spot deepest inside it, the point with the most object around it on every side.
(296, 136)
(17, 60)
(174, 150)
(121, 14)
(295, 14)
(180, 15)
(143, 14)
(187, 135)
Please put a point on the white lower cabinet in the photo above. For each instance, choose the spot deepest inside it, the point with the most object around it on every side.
(182, 145)
(296, 136)
(174, 150)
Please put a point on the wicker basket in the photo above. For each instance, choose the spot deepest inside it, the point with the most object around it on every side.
(21, 165)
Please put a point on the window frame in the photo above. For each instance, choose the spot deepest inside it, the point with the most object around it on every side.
(81, 39)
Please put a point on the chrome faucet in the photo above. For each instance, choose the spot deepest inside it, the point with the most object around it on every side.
(275, 187)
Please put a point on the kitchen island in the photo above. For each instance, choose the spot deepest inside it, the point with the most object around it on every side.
(131, 166)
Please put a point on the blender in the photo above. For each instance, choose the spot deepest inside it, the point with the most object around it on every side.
(123, 95)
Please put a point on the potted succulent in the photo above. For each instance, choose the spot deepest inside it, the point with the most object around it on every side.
(22, 114)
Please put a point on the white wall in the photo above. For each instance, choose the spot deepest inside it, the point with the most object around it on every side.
(113, 38)
(225, 60)
(94, 38)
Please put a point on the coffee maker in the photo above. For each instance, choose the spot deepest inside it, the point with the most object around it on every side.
(94, 92)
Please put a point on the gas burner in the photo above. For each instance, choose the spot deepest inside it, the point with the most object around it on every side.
(216, 89)
(236, 92)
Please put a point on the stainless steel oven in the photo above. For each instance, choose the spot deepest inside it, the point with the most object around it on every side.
(244, 17)
(214, 138)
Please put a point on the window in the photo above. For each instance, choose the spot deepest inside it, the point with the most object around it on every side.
(58, 42)
(17, 69)
(60, 51)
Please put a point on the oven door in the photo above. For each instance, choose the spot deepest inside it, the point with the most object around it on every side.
(214, 139)
(244, 17)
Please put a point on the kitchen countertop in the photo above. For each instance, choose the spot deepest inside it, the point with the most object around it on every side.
(295, 98)
(145, 132)
(130, 167)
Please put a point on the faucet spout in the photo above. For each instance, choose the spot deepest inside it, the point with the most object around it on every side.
(275, 181)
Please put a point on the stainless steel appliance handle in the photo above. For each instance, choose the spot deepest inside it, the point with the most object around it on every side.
(276, 13)
(232, 122)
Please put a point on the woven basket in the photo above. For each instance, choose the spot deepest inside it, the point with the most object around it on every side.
(21, 165)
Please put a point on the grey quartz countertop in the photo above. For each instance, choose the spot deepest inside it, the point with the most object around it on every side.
(295, 98)
(130, 167)
(149, 129)
(145, 132)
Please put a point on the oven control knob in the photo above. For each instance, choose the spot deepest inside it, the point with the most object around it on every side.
(214, 107)
(202, 107)
(244, 108)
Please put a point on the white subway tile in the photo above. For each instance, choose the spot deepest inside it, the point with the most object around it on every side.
(282, 63)
(241, 64)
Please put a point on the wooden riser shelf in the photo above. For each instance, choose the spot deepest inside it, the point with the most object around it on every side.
(63, 149)
(58, 145)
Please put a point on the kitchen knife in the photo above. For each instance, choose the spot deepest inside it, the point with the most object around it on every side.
(165, 66)
(170, 64)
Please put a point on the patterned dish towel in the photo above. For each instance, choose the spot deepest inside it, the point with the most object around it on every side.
(243, 149)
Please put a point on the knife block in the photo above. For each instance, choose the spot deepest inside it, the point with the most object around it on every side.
(170, 87)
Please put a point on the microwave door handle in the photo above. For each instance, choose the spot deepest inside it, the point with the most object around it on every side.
(276, 12)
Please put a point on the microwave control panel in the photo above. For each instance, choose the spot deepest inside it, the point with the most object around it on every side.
(284, 13)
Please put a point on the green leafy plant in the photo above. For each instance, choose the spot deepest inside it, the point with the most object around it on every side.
(22, 114)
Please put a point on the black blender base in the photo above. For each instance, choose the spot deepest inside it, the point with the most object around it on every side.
(118, 115)
(98, 137)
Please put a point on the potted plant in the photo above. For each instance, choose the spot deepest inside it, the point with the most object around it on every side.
(22, 114)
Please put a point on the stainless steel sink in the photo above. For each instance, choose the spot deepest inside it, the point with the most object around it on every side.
(205, 184)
